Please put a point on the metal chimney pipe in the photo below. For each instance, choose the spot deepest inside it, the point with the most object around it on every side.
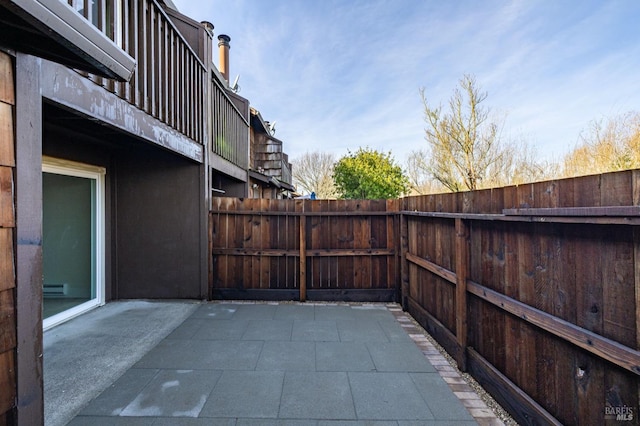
(223, 47)
(208, 26)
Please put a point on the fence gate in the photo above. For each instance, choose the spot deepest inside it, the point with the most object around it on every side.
(304, 249)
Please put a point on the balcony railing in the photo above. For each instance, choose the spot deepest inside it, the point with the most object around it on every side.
(286, 172)
(230, 130)
(169, 81)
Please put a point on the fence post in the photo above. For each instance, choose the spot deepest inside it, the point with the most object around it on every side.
(303, 258)
(404, 267)
(462, 266)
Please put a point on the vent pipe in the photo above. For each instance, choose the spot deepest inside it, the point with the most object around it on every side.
(223, 46)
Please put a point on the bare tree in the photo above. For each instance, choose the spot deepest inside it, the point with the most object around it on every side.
(420, 180)
(464, 141)
(313, 172)
(607, 146)
(518, 165)
(465, 147)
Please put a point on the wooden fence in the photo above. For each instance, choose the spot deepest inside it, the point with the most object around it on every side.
(535, 290)
(304, 249)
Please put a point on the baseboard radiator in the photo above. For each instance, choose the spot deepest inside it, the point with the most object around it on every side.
(55, 290)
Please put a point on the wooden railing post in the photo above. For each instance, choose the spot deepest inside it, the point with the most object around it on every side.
(462, 266)
(303, 259)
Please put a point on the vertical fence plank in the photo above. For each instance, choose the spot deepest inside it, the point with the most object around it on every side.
(303, 258)
(404, 265)
(393, 242)
(314, 244)
(250, 240)
(379, 230)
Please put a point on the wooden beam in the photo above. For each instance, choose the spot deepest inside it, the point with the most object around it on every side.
(523, 408)
(308, 253)
(596, 344)
(593, 220)
(432, 267)
(576, 211)
(462, 268)
(30, 395)
(299, 213)
(339, 295)
(435, 328)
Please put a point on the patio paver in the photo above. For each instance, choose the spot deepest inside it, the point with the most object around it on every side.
(290, 364)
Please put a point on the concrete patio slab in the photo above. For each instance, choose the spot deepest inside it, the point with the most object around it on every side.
(278, 364)
(203, 355)
(343, 356)
(387, 396)
(295, 312)
(287, 356)
(219, 330)
(277, 330)
(116, 397)
(253, 394)
(315, 331)
(434, 391)
(398, 356)
(317, 395)
(85, 355)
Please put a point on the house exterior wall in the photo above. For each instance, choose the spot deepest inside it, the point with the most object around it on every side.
(159, 233)
(8, 335)
(155, 137)
(153, 202)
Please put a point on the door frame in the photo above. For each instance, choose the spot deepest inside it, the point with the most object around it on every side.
(96, 173)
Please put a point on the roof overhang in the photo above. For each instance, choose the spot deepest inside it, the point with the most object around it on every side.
(271, 180)
(52, 30)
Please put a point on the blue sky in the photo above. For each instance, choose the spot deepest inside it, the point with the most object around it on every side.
(339, 75)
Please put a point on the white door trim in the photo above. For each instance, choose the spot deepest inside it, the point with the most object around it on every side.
(71, 168)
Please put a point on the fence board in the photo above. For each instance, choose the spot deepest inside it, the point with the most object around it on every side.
(261, 250)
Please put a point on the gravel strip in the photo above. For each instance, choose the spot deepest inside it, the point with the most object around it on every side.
(499, 412)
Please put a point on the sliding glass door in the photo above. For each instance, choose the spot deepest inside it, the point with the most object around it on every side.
(73, 239)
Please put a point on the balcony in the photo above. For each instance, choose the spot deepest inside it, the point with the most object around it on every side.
(169, 79)
(230, 129)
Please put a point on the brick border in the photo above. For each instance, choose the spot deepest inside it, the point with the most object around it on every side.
(478, 409)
